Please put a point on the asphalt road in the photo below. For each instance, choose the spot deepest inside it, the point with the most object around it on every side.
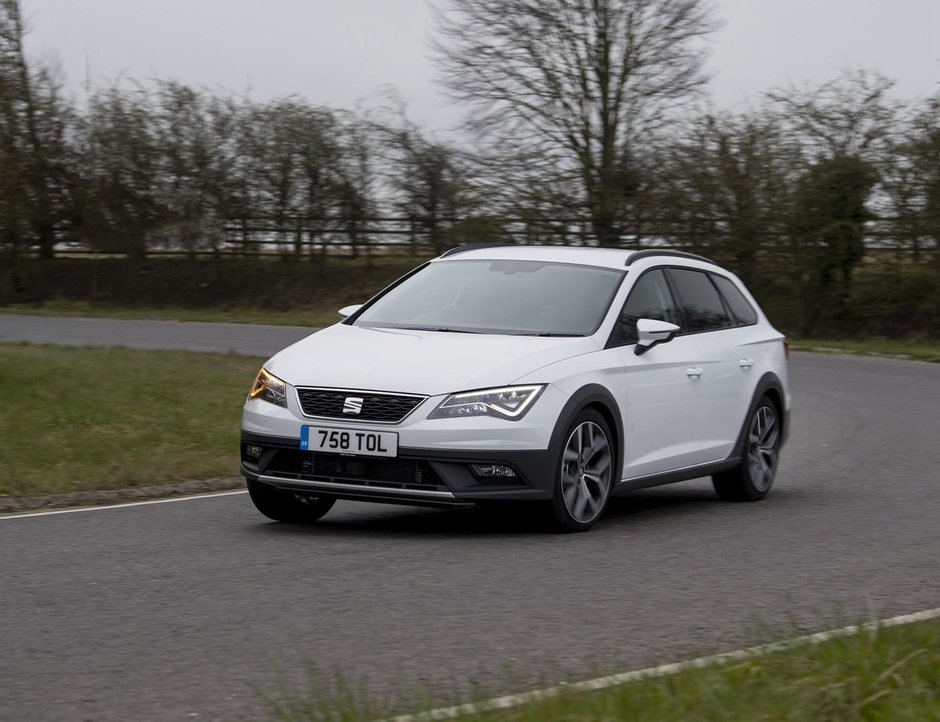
(134, 333)
(194, 609)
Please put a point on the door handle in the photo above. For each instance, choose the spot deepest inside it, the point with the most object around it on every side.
(694, 373)
(746, 363)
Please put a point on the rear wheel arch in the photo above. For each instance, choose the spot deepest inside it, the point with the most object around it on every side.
(769, 386)
(753, 475)
(776, 398)
(773, 392)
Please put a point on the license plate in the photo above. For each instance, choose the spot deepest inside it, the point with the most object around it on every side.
(348, 441)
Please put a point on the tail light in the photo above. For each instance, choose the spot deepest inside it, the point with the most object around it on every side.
(786, 348)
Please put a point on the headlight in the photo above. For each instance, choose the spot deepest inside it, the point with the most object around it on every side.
(511, 402)
(270, 388)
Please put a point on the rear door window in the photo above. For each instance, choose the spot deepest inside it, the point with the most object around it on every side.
(702, 308)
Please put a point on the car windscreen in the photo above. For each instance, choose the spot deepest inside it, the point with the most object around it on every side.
(499, 297)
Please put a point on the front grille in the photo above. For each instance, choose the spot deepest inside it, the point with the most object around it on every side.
(368, 471)
(380, 407)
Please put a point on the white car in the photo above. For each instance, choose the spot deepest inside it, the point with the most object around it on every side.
(547, 374)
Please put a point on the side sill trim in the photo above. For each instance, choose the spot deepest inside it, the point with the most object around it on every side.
(359, 489)
(669, 477)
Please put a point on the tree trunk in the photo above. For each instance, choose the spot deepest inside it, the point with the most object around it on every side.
(37, 176)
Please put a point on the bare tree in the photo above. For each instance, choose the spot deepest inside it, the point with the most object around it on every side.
(724, 183)
(32, 126)
(14, 195)
(269, 142)
(578, 82)
(852, 115)
(425, 177)
(121, 205)
(913, 182)
(318, 148)
(355, 183)
(190, 153)
(844, 130)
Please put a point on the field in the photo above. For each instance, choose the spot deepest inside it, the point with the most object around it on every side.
(79, 419)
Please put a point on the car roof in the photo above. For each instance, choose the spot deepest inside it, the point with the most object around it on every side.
(584, 255)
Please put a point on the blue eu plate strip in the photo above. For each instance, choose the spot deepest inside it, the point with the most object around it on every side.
(304, 438)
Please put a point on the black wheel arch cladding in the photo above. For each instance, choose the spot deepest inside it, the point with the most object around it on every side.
(596, 396)
(769, 386)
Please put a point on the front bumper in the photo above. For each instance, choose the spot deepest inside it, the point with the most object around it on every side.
(420, 476)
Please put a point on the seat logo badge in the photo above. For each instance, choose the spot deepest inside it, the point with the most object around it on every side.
(352, 405)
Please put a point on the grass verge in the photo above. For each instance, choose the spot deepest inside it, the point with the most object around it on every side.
(901, 348)
(883, 674)
(78, 419)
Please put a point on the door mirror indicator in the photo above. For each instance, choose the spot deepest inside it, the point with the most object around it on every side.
(652, 333)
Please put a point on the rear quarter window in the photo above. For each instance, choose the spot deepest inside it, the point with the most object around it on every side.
(744, 313)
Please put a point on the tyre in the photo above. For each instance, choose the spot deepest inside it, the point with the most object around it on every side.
(585, 473)
(288, 506)
(752, 478)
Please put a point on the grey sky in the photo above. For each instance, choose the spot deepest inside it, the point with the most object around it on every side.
(336, 52)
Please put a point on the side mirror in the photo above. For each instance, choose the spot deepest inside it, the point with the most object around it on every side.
(652, 333)
(348, 311)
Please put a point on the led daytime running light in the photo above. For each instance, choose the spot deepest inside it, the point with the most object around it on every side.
(509, 402)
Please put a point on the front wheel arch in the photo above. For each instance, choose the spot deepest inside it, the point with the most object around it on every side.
(588, 442)
(598, 398)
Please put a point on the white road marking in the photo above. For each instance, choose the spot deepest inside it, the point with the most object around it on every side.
(664, 670)
(122, 506)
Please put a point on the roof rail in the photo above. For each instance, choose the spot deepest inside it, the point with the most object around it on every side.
(652, 252)
(475, 247)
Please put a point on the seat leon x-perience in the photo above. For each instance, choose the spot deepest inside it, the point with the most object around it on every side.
(553, 375)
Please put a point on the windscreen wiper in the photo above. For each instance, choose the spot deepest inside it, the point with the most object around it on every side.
(440, 329)
(549, 334)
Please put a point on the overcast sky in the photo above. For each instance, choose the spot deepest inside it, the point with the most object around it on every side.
(338, 52)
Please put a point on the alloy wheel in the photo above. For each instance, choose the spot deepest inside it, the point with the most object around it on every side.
(762, 448)
(586, 472)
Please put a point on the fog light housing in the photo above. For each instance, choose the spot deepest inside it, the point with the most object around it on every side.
(492, 471)
(253, 451)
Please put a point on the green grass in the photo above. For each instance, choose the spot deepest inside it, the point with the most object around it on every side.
(919, 350)
(79, 419)
(888, 674)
